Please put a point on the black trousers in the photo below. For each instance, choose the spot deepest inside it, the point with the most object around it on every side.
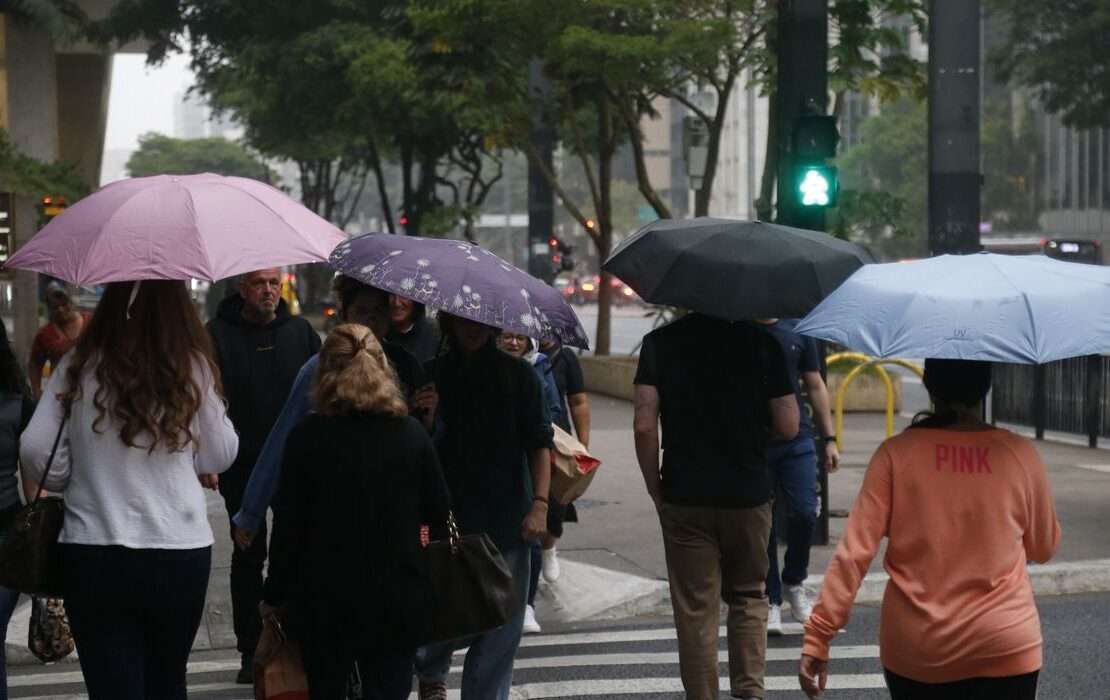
(134, 614)
(1023, 687)
(328, 664)
(246, 567)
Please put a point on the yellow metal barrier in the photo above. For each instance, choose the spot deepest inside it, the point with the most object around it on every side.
(866, 363)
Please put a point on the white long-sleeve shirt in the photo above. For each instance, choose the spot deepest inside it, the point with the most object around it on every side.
(127, 496)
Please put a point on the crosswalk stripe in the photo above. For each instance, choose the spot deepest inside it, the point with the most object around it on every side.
(61, 677)
(638, 635)
(639, 686)
(667, 657)
(193, 689)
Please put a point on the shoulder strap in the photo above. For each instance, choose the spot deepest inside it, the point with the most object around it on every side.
(50, 461)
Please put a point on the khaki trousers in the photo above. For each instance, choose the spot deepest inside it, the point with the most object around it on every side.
(714, 555)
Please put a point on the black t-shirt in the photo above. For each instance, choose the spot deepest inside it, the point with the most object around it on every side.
(568, 380)
(714, 379)
(801, 357)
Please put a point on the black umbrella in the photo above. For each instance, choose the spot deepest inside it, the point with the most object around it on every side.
(734, 269)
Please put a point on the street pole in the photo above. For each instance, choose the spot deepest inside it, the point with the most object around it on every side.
(541, 199)
(802, 87)
(954, 85)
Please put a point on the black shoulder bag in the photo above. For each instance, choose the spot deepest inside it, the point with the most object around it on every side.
(28, 552)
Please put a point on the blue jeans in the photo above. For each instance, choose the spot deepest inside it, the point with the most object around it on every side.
(793, 467)
(488, 670)
(8, 599)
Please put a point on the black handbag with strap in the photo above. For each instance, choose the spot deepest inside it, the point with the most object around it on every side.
(29, 549)
(471, 587)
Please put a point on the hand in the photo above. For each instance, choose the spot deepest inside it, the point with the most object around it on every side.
(832, 457)
(813, 675)
(209, 481)
(424, 404)
(535, 523)
(243, 538)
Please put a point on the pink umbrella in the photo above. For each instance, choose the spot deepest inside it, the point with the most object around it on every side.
(177, 227)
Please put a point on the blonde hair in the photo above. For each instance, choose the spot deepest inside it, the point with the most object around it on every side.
(355, 376)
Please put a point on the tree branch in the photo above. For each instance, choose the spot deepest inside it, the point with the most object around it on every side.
(535, 159)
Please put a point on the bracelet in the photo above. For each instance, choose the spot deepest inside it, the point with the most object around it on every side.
(541, 499)
(828, 438)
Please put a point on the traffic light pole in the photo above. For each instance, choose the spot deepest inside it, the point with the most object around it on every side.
(541, 200)
(954, 77)
(801, 88)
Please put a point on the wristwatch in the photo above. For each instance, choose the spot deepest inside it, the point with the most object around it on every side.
(827, 439)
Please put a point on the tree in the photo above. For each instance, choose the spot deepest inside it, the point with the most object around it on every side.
(1058, 50)
(28, 176)
(158, 154)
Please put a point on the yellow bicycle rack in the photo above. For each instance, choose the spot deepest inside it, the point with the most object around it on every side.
(864, 363)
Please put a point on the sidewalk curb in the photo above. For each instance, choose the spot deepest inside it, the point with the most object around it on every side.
(1067, 578)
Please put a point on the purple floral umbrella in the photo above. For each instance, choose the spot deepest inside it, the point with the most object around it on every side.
(461, 279)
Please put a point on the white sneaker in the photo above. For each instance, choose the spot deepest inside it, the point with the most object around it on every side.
(550, 565)
(800, 607)
(774, 621)
(530, 624)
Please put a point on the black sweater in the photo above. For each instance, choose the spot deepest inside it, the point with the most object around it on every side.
(346, 553)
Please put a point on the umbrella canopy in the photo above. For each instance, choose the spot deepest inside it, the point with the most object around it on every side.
(734, 269)
(1001, 308)
(461, 279)
(177, 227)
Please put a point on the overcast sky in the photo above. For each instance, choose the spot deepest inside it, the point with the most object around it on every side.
(142, 98)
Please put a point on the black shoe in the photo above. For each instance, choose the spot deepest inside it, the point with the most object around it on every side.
(246, 670)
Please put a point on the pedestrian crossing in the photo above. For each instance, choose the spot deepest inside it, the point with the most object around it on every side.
(622, 661)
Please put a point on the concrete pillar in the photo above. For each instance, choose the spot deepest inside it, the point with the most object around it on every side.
(83, 84)
(32, 111)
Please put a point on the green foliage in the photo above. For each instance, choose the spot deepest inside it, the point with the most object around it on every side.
(63, 20)
(160, 154)
(1058, 51)
(24, 175)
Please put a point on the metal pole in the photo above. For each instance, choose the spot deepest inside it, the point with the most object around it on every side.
(954, 102)
(1039, 399)
(541, 198)
(1093, 399)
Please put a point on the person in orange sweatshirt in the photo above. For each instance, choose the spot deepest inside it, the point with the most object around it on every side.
(964, 506)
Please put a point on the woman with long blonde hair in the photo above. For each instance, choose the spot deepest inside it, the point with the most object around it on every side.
(360, 478)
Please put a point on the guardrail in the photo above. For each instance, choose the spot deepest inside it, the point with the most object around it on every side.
(1069, 396)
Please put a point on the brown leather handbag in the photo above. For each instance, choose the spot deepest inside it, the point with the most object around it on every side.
(29, 550)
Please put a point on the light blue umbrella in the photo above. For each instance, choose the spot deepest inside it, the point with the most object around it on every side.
(1001, 308)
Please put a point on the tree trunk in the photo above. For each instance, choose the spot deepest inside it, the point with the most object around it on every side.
(764, 206)
(406, 188)
(383, 194)
(705, 194)
(606, 149)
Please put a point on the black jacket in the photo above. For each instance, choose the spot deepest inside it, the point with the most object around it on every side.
(422, 340)
(257, 366)
(346, 551)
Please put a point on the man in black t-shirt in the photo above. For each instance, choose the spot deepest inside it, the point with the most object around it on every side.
(721, 391)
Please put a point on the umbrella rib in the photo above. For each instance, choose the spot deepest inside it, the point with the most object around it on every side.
(204, 246)
(270, 209)
(104, 226)
(1028, 309)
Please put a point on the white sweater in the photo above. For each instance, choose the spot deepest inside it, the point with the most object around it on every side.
(119, 495)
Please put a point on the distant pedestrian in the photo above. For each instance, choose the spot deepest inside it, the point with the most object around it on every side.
(523, 347)
(139, 405)
(722, 391)
(573, 417)
(793, 465)
(260, 348)
(411, 328)
(964, 506)
(62, 330)
(16, 408)
(495, 445)
(359, 479)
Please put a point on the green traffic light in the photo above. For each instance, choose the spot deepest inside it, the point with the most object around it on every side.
(815, 189)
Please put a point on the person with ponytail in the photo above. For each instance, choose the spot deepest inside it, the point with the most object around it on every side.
(964, 506)
(359, 478)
